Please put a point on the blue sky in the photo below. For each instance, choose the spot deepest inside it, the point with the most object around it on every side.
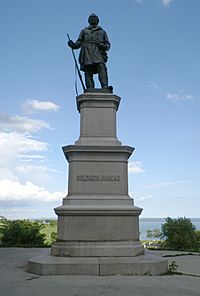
(153, 66)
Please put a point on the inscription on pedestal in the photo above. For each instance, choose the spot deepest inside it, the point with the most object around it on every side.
(103, 178)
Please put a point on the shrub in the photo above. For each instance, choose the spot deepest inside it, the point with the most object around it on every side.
(53, 237)
(179, 234)
(153, 234)
(3, 222)
(173, 267)
(22, 233)
(197, 232)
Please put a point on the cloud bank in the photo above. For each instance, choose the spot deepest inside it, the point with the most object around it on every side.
(30, 106)
(179, 97)
(135, 167)
(166, 2)
(23, 171)
(16, 191)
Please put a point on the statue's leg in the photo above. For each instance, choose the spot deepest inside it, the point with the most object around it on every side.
(103, 75)
(89, 81)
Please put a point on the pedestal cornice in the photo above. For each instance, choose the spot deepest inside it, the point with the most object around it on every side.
(97, 100)
(97, 149)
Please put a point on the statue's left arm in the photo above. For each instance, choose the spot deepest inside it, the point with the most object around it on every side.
(106, 41)
(105, 45)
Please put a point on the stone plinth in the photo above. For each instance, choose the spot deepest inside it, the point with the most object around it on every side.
(98, 223)
(99, 266)
(98, 119)
(98, 171)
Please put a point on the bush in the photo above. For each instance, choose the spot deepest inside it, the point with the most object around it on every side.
(3, 222)
(20, 233)
(179, 234)
(153, 234)
(53, 237)
(51, 222)
(197, 232)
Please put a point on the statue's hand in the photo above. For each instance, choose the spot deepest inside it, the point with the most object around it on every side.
(102, 46)
(71, 43)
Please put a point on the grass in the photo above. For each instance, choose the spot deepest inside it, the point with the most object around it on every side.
(48, 229)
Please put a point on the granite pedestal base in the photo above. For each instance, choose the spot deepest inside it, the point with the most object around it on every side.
(98, 223)
(98, 266)
(97, 230)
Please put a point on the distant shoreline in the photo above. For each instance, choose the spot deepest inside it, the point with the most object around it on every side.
(155, 223)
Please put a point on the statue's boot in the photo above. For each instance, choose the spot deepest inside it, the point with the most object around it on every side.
(89, 81)
(103, 75)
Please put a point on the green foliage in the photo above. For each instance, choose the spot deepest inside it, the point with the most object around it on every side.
(152, 234)
(51, 222)
(179, 234)
(3, 222)
(53, 237)
(149, 233)
(156, 233)
(50, 231)
(22, 233)
(173, 267)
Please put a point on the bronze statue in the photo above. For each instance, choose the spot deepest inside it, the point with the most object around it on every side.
(94, 45)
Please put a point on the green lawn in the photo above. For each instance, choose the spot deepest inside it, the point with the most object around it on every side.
(48, 229)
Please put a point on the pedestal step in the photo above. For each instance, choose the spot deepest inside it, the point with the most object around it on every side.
(97, 249)
(98, 266)
(98, 223)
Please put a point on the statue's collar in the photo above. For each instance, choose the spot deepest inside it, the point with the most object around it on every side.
(93, 28)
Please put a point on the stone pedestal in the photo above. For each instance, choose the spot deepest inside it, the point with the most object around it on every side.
(98, 223)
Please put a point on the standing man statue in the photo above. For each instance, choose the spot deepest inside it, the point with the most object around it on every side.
(94, 43)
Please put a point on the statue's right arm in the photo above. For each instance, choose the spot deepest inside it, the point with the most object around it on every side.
(78, 43)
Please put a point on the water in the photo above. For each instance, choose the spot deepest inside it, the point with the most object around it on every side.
(155, 223)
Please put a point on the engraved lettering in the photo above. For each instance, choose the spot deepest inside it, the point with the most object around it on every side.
(96, 178)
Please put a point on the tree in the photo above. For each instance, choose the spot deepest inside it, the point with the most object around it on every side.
(3, 222)
(197, 232)
(156, 233)
(22, 233)
(149, 233)
(179, 234)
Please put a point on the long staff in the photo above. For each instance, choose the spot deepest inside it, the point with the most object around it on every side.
(76, 65)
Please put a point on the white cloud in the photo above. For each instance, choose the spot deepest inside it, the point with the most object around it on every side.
(37, 174)
(166, 2)
(153, 84)
(179, 97)
(34, 105)
(135, 167)
(160, 185)
(23, 183)
(13, 150)
(145, 197)
(18, 182)
(13, 144)
(34, 169)
(31, 157)
(16, 191)
(6, 173)
(18, 212)
(21, 123)
(166, 184)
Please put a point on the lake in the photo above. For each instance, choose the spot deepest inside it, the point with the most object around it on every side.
(153, 223)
